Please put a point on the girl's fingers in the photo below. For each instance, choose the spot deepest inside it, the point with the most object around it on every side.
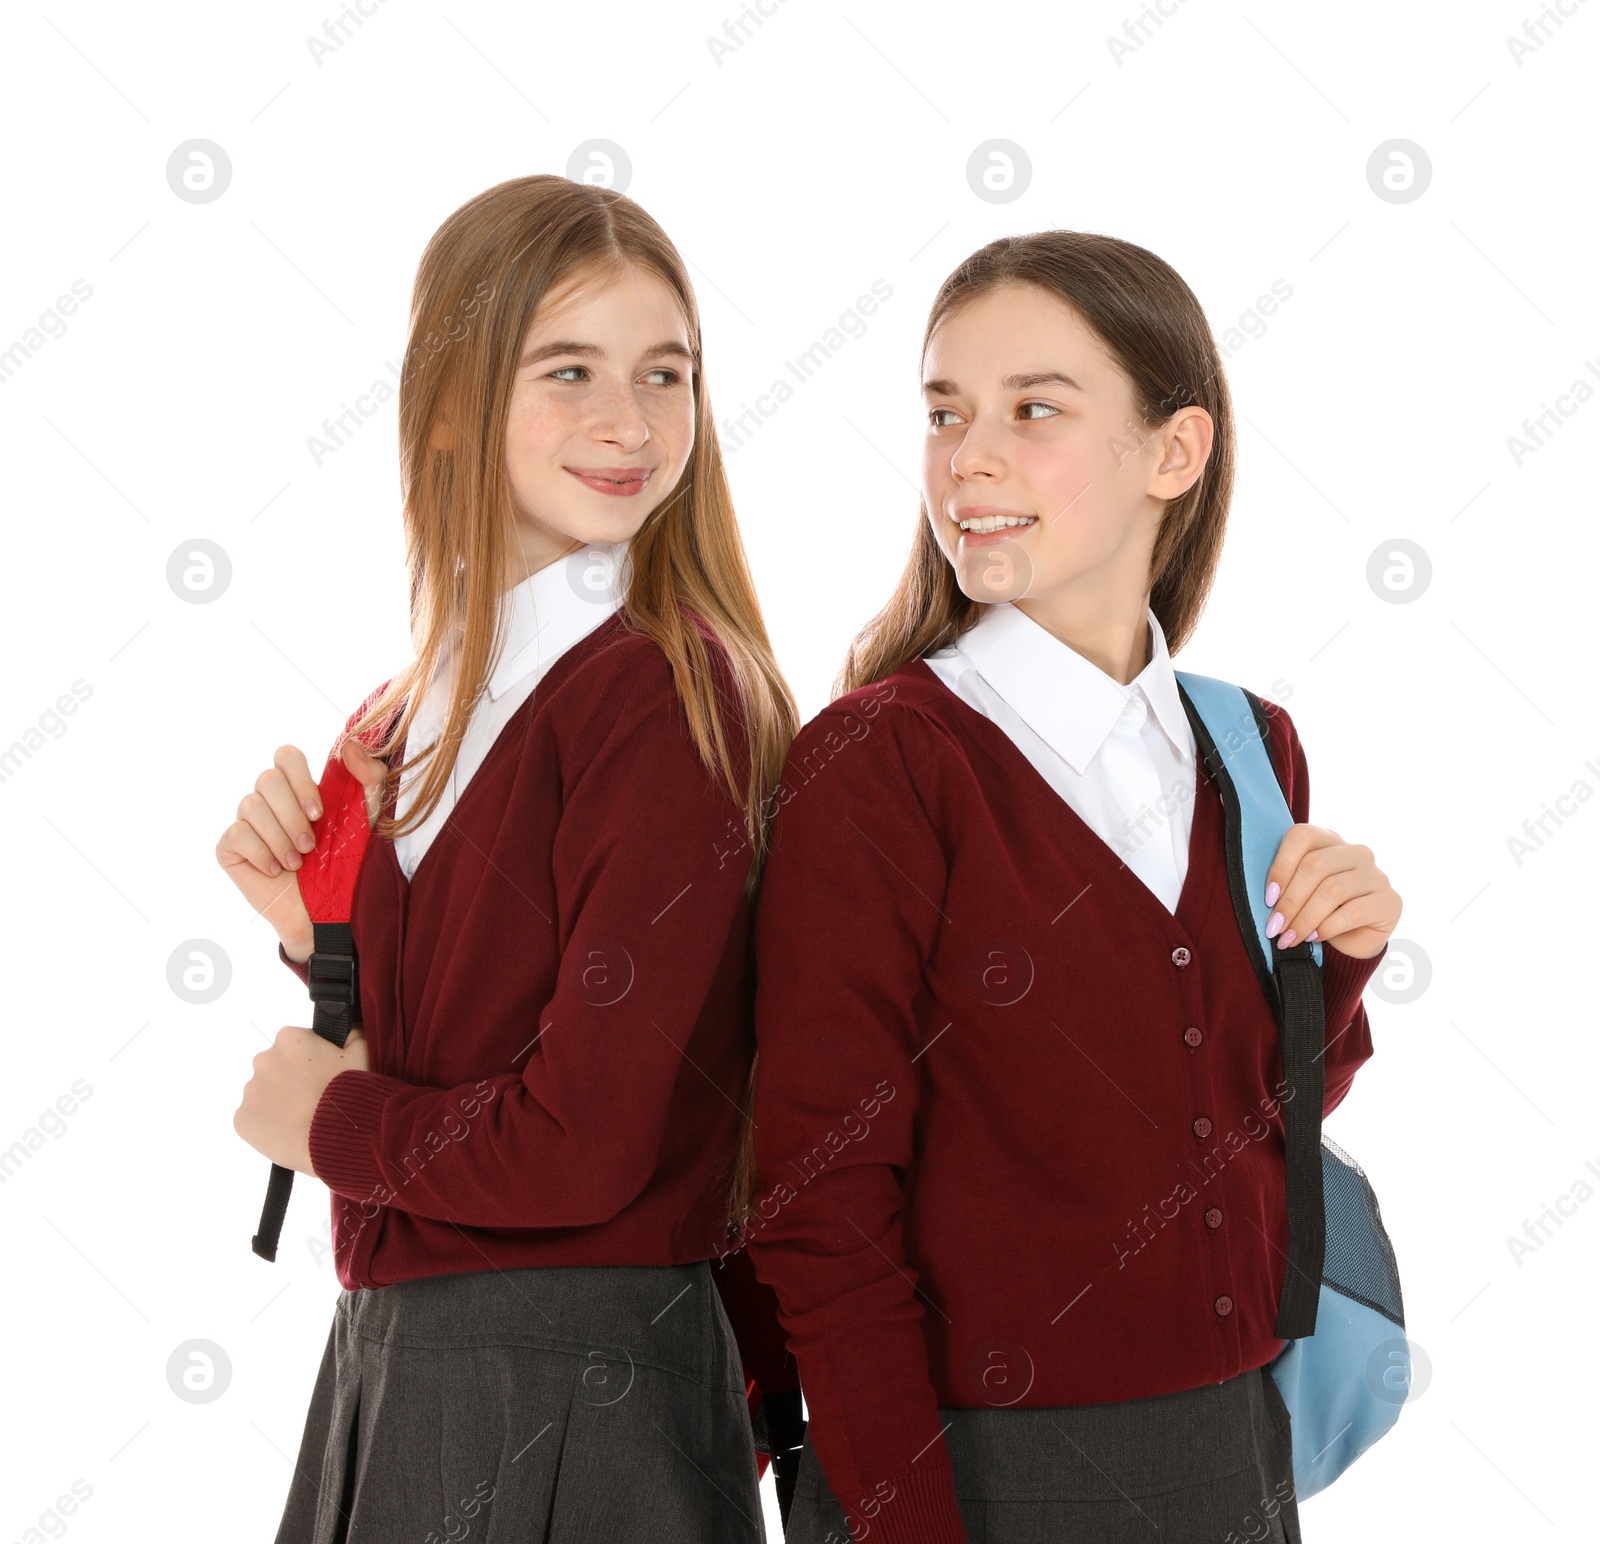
(290, 761)
(1359, 911)
(1297, 841)
(290, 814)
(258, 814)
(240, 844)
(1315, 855)
(1337, 887)
(370, 771)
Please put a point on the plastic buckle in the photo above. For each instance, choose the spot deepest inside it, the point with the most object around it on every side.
(332, 979)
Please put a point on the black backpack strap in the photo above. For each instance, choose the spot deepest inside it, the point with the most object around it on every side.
(1292, 982)
(335, 997)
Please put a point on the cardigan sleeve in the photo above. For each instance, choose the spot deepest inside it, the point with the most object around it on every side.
(1347, 1035)
(752, 1309)
(850, 907)
(649, 864)
(301, 968)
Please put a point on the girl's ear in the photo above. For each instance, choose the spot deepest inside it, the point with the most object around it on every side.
(1184, 454)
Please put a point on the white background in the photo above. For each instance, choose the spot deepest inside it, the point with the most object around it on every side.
(826, 152)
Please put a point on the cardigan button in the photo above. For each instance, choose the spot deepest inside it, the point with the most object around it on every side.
(1181, 956)
(1192, 1036)
(1202, 1127)
(1213, 1216)
(1224, 1305)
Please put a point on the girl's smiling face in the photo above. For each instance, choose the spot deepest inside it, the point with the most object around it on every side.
(601, 420)
(1040, 478)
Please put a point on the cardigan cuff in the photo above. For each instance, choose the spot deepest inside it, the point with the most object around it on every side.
(1343, 981)
(301, 968)
(344, 1133)
(923, 1508)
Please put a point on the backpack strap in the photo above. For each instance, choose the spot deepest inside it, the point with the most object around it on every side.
(1231, 734)
(327, 881)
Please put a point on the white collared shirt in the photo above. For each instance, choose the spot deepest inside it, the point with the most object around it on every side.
(1122, 756)
(547, 613)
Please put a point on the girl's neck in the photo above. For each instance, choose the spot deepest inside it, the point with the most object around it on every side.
(1111, 632)
(532, 555)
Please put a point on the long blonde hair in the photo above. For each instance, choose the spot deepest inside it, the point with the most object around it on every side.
(479, 283)
(1154, 327)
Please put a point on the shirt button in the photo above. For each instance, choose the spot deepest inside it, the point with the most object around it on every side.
(1180, 956)
(1202, 1126)
(1192, 1036)
(1224, 1305)
(1213, 1216)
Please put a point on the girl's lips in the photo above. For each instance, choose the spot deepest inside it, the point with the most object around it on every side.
(621, 481)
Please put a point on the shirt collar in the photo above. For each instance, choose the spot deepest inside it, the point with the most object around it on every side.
(552, 609)
(1066, 700)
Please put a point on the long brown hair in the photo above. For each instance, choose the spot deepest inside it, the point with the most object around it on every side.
(1154, 328)
(480, 281)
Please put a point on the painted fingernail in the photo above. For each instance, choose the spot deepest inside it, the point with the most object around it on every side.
(305, 841)
(1287, 939)
(1274, 924)
(1311, 937)
(1273, 892)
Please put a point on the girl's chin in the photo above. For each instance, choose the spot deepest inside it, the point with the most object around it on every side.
(585, 527)
(994, 573)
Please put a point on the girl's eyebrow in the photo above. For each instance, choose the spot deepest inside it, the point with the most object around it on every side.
(1010, 382)
(1041, 378)
(594, 351)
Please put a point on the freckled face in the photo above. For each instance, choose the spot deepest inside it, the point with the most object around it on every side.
(601, 420)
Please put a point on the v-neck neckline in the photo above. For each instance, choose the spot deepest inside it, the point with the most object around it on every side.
(506, 736)
(1195, 889)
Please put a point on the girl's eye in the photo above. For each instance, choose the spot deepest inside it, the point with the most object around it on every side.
(576, 372)
(935, 420)
(1048, 409)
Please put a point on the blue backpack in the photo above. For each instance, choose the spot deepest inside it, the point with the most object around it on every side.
(1346, 1369)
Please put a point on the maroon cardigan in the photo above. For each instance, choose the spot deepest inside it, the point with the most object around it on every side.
(557, 1006)
(1019, 1127)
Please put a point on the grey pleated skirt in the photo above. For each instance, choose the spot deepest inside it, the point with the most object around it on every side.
(568, 1404)
(1211, 1465)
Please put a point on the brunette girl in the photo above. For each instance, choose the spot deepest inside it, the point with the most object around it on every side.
(530, 1147)
(1018, 1115)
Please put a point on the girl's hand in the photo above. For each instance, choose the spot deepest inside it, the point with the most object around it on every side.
(1326, 890)
(261, 850)
(281, 1097)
